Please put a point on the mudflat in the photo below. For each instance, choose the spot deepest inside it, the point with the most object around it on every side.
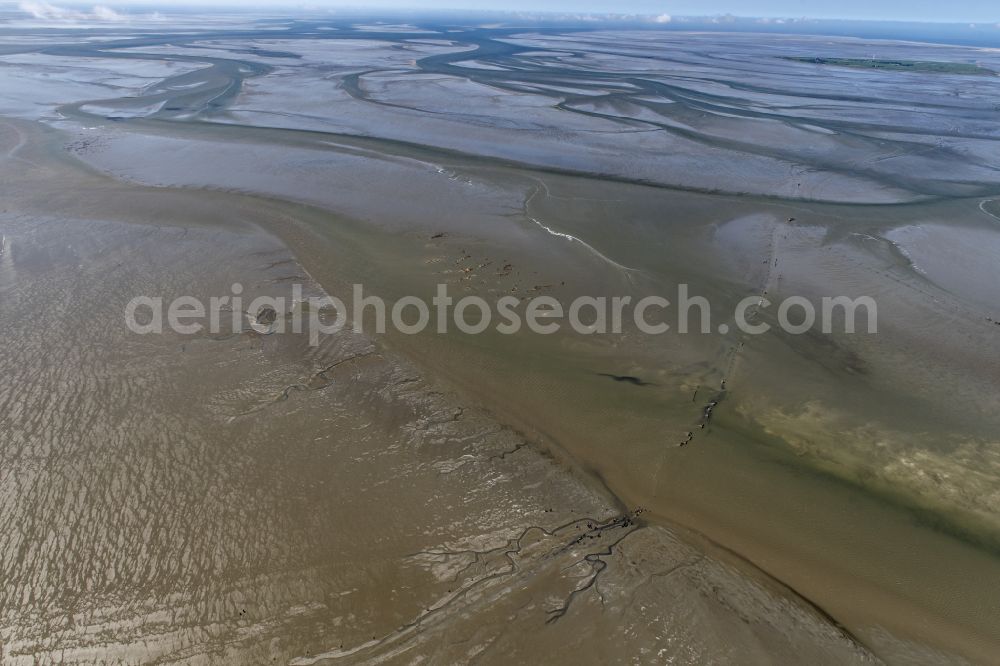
(601, 498)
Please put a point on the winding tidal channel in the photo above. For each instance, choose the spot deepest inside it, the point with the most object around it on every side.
(694, 498)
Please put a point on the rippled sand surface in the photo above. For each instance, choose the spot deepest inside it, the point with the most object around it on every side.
(248, 498)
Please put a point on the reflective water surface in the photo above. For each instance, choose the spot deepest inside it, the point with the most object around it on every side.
(246, 497)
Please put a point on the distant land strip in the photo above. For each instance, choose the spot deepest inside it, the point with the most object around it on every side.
(899, 65)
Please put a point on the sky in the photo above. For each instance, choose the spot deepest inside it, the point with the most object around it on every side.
(901, 10)
(950, 11)
(947, 11)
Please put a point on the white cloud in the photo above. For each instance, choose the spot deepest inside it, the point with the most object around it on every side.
(44, 11)
(663, 18)
(47, 12)
(102, 13)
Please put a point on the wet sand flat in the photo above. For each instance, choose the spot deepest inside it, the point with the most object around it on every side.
(239, 497)
(856, 472)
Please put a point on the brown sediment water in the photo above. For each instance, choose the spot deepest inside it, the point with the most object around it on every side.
(241, 497)
(375, 516)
